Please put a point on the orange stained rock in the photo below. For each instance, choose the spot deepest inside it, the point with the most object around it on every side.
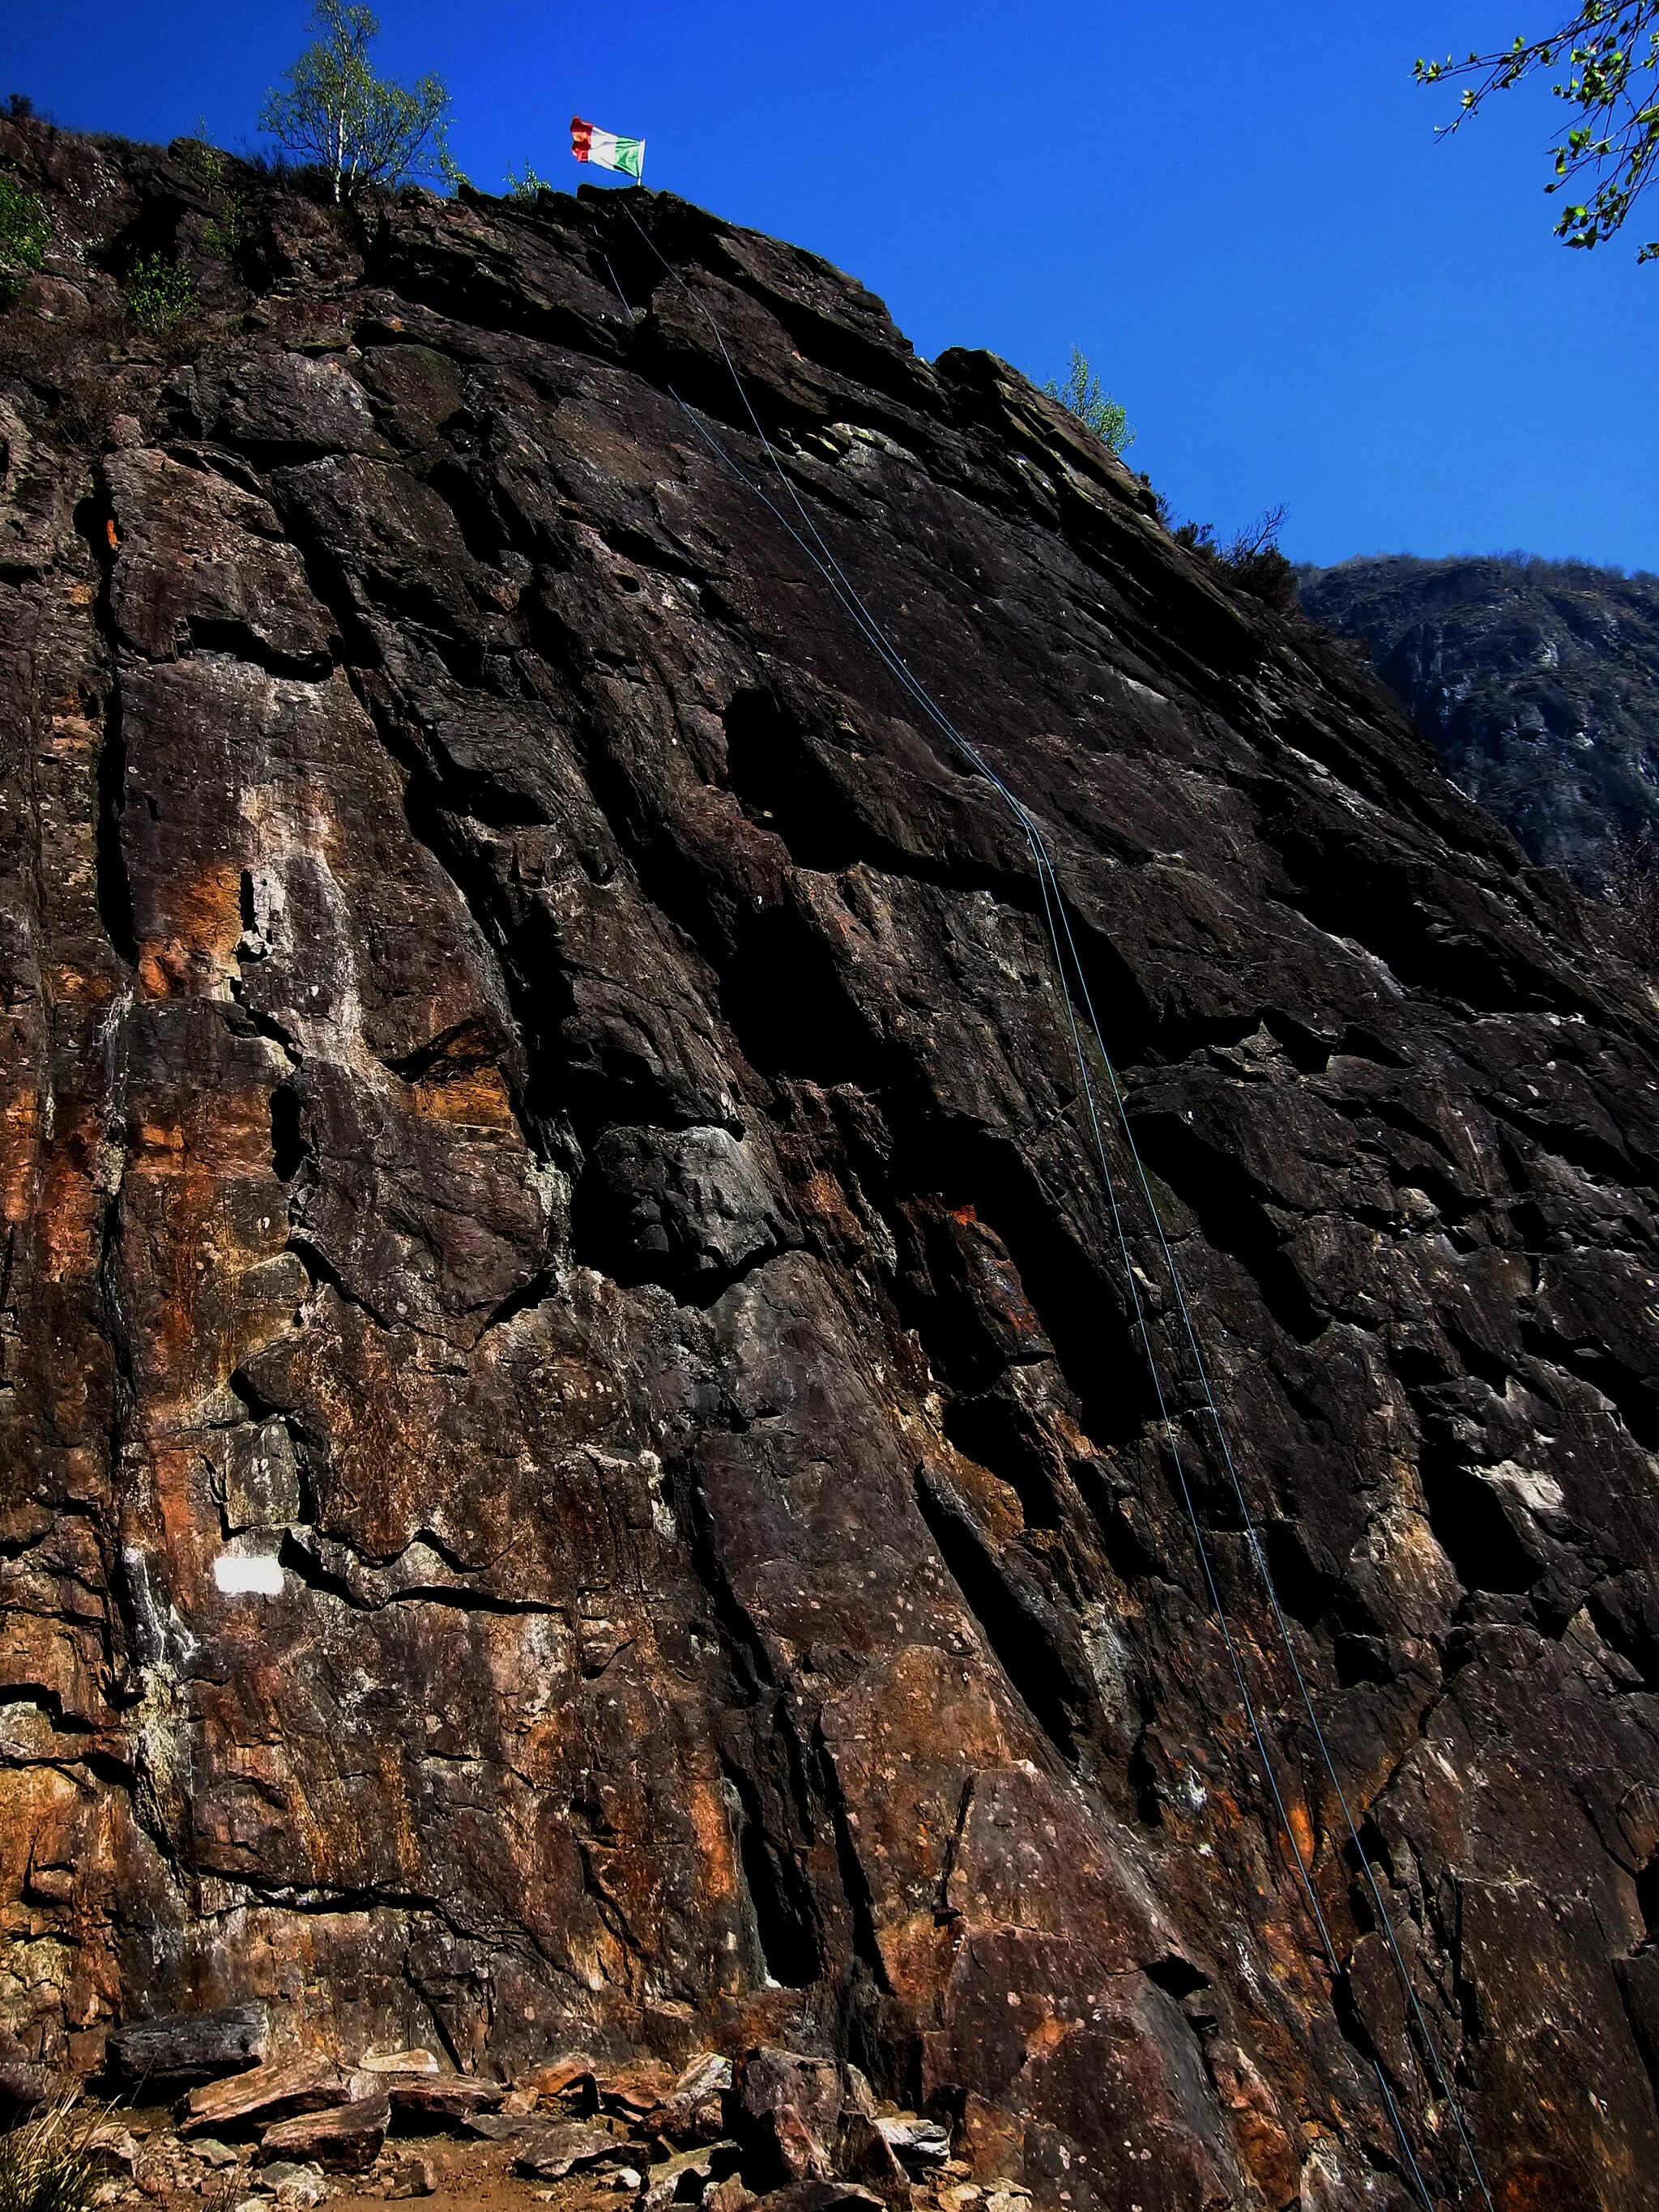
(71, 731)
(193, 949)
(187, 1515)
(916, 1955)
(53, 1184)
(712, 1827)
(1263, 2143)
(822, 1194)
(1049, 2030)
(1301, 1830)
(474, 1097)
(176, 1194)
(40, 1826)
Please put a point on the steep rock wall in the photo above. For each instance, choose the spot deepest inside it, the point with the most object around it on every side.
(536, 1101)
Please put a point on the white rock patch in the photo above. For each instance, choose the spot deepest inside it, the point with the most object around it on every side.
(248, 1576)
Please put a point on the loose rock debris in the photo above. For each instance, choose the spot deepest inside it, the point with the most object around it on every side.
(301, 2129)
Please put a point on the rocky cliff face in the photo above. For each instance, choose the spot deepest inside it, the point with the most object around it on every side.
(577, 1469)
(1538, 681)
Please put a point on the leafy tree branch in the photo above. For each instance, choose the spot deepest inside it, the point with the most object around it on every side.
(1608, 60)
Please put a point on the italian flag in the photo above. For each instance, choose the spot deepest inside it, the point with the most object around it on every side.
(605, 150)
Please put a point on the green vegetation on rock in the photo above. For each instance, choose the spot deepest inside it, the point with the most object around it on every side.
(224, 233)
(25, 234)
(1084, 396)
(358, 127)
(48, 2164)
(160, 293)
(527, 187)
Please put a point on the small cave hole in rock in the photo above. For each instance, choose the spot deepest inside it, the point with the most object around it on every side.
(1647, 1898)
(288, 1144)
(777, 776)
(791, 1009)
(1304, 1589)
(987, 1430)
(779, 1898)
(1177, 1977)
(1471, 1528)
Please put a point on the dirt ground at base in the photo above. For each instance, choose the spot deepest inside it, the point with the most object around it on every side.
(461, 2175)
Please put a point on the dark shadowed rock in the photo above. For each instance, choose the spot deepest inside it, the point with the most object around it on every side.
(114, 2151)
(822, 2196)
(578, 1480)
(436, 2098)
(916, 2143)
(685, 2174)
(864, 2154)
(694, 2110)
(24, 2088)
(792, 2106)
(180, 2048)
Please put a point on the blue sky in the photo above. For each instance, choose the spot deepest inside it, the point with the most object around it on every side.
(1240, 212)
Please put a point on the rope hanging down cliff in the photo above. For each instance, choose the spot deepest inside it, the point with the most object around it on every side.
(1069, 967)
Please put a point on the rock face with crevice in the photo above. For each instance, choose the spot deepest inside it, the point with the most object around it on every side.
(579, 1474)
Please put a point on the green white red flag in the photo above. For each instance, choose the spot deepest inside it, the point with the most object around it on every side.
(605, 150)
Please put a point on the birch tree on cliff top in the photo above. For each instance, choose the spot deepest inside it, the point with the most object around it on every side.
(361, 128)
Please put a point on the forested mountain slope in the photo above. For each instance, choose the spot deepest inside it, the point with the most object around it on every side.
(1538, 681)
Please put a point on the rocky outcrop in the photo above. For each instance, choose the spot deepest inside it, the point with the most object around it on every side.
(580, 1474)
(1537, 680)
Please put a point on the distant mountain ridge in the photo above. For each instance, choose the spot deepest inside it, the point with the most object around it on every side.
(1538, 680)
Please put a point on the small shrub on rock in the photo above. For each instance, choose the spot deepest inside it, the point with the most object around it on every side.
(160, 293)
(224, 233)
(1083, 395)
(1258, 566)
(25, 234)
(1253, 556)
(528, 187)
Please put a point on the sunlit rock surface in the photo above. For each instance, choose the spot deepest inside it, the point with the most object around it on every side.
(578, 1472)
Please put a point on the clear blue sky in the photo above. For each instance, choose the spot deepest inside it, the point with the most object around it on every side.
(1239, 211)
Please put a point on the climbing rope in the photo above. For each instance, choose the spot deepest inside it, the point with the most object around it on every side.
(1063, 947)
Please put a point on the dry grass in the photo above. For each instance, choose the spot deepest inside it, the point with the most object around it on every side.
(48, 2164)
